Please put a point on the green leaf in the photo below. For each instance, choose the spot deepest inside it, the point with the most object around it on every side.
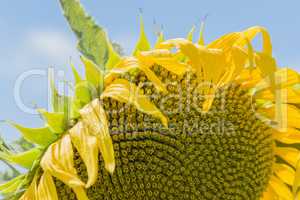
(24, 159)
(93, 42)
(191, 34)
(55, 121)
(40, 136)
(143, 43)
(12, 185)
(93, 75)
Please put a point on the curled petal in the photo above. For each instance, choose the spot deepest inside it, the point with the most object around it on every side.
(30, 193)
(252, 32)
(47, 189)
(126, 92)
(87, 148)
(94, 118)
(132, 63)
(165, 59)
(58, 161)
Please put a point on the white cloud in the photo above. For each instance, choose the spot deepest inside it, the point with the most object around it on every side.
(51, 44)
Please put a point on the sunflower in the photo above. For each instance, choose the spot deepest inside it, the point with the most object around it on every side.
(182, 120)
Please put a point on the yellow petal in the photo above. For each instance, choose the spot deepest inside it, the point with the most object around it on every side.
(289, 136)
(225, 42)
(290, 155)
(285, 173)
(296, 185)
(94, 117)
(126, 92)
(252, 32)
(80, 193)
(284, 78)
(269, 194)
(285, 95)
(47, 189)
(30, 193)
(132, 63)
(58, 161)
(165, 59)
(281, 189)
(285, 114)
(87, 148)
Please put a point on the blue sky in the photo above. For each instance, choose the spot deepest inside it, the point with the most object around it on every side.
(35, 36)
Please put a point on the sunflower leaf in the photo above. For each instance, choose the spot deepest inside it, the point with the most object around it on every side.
(92, 38)
(40, 136)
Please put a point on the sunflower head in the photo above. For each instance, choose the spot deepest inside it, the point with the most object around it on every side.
(181, 120)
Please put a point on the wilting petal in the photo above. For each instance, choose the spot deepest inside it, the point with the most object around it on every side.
(290, 155)
(87, 148)
(30, 193)
(47, 189)
(251, 33)
(164, 58)
(94, 118)
(285, 173)
(58, 161)
(126, 92)
(225, 42)
(132, 63)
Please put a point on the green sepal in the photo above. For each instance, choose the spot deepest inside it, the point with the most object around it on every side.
(93, 75)
(55, 121)
(160, 38)
(76, 75)
(190, 35)
(93, 42)
(143, 43)
(201, 35)
(24, 159)
(40, 136)
(60, 103)
(12, 185)
(83, 92)
(114, 57)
